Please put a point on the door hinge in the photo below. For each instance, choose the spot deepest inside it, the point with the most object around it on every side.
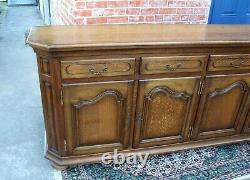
(200, 90)
(65, 145)
(139, 118)
(61, 96)
(190, 132)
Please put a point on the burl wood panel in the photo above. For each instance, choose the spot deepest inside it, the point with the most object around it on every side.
(98, 116)
(165, 110)
(223, 106)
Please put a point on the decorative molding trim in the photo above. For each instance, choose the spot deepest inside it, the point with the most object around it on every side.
(166, 91)
(113, 93)
(241, 84)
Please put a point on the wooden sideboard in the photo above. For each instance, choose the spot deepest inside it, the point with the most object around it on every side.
(141, 88)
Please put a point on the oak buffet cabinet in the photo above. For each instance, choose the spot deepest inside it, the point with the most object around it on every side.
(141, 88)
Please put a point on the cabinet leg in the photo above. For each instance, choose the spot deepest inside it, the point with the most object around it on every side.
(58, 167)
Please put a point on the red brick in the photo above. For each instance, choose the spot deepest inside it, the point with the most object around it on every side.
(136, 18)
(167, 18)
(97, 20)
(176, 18)
(158, 18)
(138, 3)
(120, 11)
(176, 3)
(199, 10)
(99, 4)
(197, 17)
(98, 12)
(80, 4)
(167, 11)
(158, 3)
(184, 17)
(184, 10)
(108, 12)
(150, 18)
(193, 4)
(133, 11)
(117, 19)
(78, 21)
(148, 11)
(115, 4)
(82, 13)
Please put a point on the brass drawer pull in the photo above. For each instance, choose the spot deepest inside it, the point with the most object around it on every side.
(171, 68)
(238, 65)
(93, 71)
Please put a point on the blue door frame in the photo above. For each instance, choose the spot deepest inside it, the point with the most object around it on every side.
(229, 12)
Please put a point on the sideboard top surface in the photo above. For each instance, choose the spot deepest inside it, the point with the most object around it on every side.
(56, 38)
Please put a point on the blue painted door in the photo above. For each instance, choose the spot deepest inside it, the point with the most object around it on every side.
(230, 12)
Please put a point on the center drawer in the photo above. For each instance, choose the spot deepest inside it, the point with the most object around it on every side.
(97, 68)
(172, 64)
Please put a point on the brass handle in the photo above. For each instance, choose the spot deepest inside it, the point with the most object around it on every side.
(93, 71)
(238, 65)
(171, 68)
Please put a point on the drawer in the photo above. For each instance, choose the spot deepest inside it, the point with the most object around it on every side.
(172, 64)
(229, 62)
(97, 68)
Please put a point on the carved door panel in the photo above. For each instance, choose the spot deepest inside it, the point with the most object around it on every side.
(98, 116)
(223, 106)
(165, 109)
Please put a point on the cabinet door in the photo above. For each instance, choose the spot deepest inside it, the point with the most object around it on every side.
(247, 124)
(223, 106)
(165, 109)
(98, 116)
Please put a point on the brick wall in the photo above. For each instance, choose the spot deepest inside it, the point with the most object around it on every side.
(81, 12)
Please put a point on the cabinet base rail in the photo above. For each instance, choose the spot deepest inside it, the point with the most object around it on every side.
(61, 163)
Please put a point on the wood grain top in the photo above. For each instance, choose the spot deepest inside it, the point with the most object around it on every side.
(57, 38)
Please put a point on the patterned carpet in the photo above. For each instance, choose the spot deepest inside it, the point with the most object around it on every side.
(220, 163)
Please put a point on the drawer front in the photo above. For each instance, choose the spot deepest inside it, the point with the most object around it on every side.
(156, 65)
(229, 62)
(97, 68)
